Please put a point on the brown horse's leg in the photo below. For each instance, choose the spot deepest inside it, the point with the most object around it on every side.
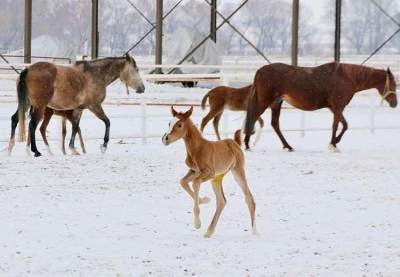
(211, 114)
(345, 127)
(48, 113)
(240, 177)
(64, 132)
(259, 132)
(249, 122)
(275, 114)
(69, 116)
(76, 117)
(14, 123)
(36, 116)
(337, 117)
(185, 185)
(221, 202)
(216, 120)
(99, 112)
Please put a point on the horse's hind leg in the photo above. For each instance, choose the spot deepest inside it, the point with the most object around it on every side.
(36, 116)
(275, 114)
(64, 133)
(14, 123)
(259, 132)
(221, 202)
(337, 117)
(48, 113)
(211, 114)
(240, 177)
(68, 115)
(345, 127)
(216, 120)
(76, 117)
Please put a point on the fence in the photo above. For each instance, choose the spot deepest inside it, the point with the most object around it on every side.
(133, 120)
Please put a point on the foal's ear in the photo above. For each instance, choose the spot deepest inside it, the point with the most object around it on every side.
(174, 113)
(188, 113)
(388, 71)
(127, 57)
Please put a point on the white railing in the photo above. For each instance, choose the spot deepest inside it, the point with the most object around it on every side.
(140, 115)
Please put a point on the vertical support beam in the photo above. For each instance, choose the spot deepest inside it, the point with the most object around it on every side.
(28, 31)
(337, 29)
(295, 31)
(213, 21)
(95, 29)
(159, 33)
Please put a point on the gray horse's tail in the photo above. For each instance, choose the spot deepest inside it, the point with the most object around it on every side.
(251, 109)
(23, 103)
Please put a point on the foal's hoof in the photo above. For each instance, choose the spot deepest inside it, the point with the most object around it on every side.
(204, 200)
(197, 224)
(103, 148)
(208, 234)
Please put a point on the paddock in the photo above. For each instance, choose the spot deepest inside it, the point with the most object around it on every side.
(124, 213)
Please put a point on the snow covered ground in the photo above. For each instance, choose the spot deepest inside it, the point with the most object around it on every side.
(124, 213)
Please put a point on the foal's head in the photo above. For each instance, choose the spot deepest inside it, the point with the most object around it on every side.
(388, 91)
(130, 75)
(177, 126)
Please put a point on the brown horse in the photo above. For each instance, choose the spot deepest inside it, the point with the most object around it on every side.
(222, 97)
(48, 113)
(74, 88)
(209, 160)
(330, 85)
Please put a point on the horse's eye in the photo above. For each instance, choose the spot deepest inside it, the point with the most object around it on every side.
(180, 125)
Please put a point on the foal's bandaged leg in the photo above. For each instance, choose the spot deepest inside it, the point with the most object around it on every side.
(218, 179)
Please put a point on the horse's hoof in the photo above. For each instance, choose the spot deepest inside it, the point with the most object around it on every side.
(103, 148)
(37, 154)
(208, 234)
(333, 148)
(197, 224)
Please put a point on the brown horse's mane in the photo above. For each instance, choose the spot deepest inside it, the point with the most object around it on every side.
(359, 73)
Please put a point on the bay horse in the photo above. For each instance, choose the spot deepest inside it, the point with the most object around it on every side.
(331, 85)
(65, 115)
(223, 97)
(76, 88)
(209, 160)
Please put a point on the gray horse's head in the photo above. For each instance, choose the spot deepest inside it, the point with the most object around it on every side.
(130, 75)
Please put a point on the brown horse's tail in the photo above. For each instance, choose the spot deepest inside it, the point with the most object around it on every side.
(204, 101)
(238, 137)
(251, 109)
(23, 103)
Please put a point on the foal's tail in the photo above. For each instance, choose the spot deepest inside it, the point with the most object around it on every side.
(204, 101)
(23, 103)
(251, 109)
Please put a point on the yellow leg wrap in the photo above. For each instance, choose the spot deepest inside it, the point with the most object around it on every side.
(218, 179)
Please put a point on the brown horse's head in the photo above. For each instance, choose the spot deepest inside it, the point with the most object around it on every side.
(177, 126)
(130, 75)
(388, 91)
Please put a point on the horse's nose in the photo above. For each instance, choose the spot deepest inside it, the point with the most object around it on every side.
(165, 139)
(393, 104)
(140, 89)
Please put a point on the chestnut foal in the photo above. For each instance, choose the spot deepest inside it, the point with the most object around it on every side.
(209, 160)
